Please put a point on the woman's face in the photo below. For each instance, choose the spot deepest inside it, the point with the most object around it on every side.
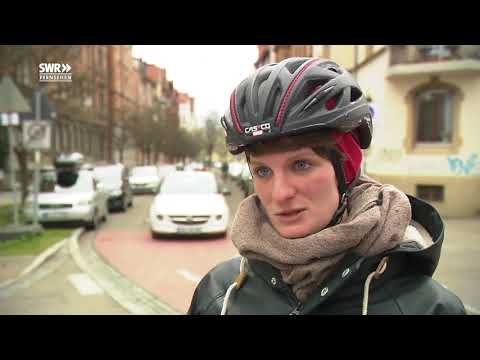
(298, 190)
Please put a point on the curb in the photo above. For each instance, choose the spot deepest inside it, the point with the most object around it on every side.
(40, 259)
(137, 301)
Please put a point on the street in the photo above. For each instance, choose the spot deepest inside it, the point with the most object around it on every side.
(169, 269)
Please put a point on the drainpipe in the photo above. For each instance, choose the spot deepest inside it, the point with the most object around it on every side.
(111, 109)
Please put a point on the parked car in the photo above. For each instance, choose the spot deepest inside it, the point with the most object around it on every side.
(164, 170)
(194, 166)
(114, 180)
(81, 202)
(189, 202)
(144, 179)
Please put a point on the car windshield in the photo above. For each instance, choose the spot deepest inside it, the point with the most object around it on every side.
(189, 183)
(145, 171)
(164, 170)
(84, 183)
(109, 175)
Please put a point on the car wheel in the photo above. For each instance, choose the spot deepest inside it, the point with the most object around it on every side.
(93, 224)
(124, 206)
(154, 235)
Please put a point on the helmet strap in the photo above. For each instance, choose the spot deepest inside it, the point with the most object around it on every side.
(343, 190)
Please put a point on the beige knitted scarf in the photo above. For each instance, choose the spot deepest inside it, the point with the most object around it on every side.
(376, 221)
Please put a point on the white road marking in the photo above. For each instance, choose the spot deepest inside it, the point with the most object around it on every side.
(84, 284)
(189, 276)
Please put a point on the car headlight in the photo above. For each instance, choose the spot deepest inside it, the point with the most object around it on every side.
(117, 192)
(85, 202)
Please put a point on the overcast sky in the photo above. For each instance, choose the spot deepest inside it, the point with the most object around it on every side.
(209, 73)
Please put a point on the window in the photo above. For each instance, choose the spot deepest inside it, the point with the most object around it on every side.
(430, 192)
(100, 57)
(434, 116)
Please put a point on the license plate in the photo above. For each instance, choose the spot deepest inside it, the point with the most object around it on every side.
(54, 215)
(188, 230)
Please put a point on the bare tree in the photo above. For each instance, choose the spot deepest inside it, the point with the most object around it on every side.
(22, 61)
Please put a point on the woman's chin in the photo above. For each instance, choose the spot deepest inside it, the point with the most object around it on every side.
(293, 232)
(297, 231)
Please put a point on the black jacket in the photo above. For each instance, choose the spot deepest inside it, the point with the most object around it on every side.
(406, 286)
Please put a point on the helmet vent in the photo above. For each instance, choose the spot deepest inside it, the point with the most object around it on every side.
(332, 102)
(355, 93)
(273, 101)
(294, 65)
(334, 70)
(314, 86)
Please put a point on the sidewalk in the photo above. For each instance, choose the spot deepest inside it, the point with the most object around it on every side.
(12, 266)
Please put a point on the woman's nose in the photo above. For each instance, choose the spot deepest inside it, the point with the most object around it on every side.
(282, 188)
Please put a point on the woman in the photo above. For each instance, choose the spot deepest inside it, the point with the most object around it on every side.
(316, 237)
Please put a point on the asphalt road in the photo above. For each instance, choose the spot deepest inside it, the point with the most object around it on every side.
(168, 268)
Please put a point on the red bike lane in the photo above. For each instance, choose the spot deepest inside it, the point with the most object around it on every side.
(168, 268)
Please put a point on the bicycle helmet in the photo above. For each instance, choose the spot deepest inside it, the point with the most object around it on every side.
(295, 96)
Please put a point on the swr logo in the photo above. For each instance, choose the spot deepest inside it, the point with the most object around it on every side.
(54, 68)
(257, 129)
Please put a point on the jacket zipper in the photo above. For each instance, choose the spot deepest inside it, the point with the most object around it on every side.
(297, 309)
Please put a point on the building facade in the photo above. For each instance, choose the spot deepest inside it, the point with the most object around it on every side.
(424, 100)
(96, 110)
(186, 111)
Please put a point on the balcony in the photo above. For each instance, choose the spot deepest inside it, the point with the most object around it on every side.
(414, 60)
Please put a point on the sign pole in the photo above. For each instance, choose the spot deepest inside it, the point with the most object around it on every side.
(13, 180)
(36, 165)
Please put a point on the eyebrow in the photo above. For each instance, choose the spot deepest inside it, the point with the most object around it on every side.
(255, 163)
(299, 154)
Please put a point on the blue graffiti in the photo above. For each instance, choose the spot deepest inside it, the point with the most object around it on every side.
(469, 167)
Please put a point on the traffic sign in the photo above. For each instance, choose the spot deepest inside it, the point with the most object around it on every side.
(36, 134)
(9, 119)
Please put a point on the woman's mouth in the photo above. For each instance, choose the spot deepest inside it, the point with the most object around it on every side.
(289, 215)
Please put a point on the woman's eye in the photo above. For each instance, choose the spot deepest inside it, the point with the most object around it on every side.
(262, 171)
(301, 165)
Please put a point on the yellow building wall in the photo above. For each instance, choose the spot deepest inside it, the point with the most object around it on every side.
(387, 161)
(342, 54)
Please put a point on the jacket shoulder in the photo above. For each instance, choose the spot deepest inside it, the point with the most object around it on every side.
(422, 295)
(210, 291)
